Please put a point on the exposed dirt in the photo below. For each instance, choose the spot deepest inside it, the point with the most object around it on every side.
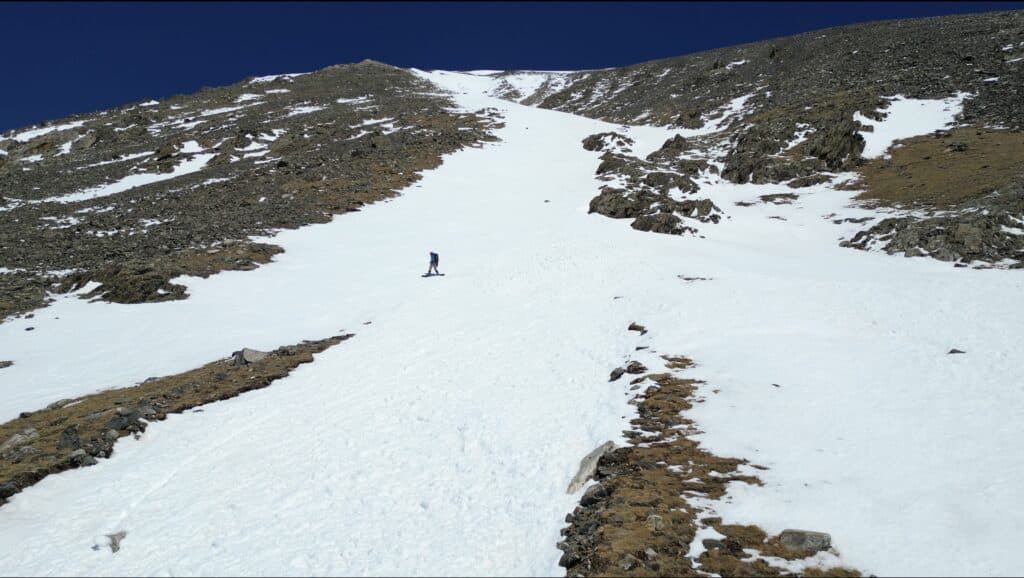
(636, 521)
(966, 190)
(944, 169)
(72, 433)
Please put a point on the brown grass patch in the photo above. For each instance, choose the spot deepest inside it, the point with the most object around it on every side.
(942, 171)
(637, 522)
(92, 423)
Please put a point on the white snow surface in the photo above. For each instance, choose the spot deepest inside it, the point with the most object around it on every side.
(304, 109)
(273, 77)
(908, 117)
(190, 165)
(30, 134)
(440, 439)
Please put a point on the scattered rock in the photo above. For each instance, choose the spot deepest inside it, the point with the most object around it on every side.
(635, 367)
(593, 495)
(588, 466)
(628, 562)
(5, 364)
(616, 373)
(665, 223)
(779, 198)
(69, 439)
(604, 140)
(82, 458)
(808, 181)
(655, 523)
(115, 540)
(246, 356)
(23, 437)
(636, 327)
(954, 351)
(59, 404)
(8, 489)
(712, 544)
(802, 540)
(125, 422)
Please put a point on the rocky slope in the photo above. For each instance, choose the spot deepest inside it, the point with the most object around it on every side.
(135, 196)
(793, 110)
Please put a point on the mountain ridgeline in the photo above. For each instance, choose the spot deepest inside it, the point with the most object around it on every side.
(799, 100)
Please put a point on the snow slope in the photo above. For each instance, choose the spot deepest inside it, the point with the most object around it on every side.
(441, 438)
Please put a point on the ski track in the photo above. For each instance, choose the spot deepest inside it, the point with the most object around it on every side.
(440, 439)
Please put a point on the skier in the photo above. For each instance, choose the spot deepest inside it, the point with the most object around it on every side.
(433, 264)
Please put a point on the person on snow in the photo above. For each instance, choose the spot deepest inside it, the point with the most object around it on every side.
(433, 264)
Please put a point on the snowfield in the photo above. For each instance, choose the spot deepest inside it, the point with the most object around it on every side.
(441, 438)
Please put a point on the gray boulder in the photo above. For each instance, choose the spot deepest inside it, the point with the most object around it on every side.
(660, 223)
(21, 438)
(80, 458)
(635, 367)
(115, 540)
(69, 438)
(246, 356)
(588, 466)
(803, 540)
(8, 489)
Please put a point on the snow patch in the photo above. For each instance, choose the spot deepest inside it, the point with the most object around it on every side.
(297, 110)
(129, 182)
(908, 117)
(273, 77)
(28, 135)
(117, 160)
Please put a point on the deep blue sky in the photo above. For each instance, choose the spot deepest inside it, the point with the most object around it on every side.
(63, 58)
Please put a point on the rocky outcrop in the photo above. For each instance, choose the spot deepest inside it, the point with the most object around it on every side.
(647, 190)
(838, 143)
(989, 230)
(604, 141)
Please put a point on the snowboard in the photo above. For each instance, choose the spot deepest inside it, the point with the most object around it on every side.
(433, 275)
